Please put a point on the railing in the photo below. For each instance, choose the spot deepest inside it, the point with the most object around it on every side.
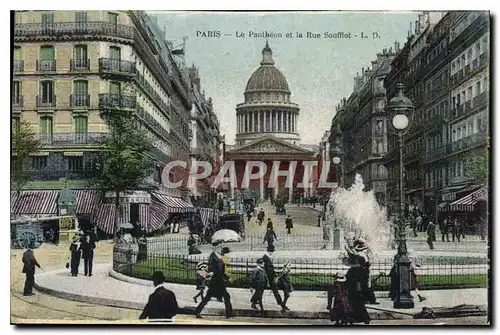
(196, 151)
(73, 28)
(116, 66)
(477, 102)
(80, 100)
(152, 93)
(152, 122)
(306, 273)
(46, 65)
(79, 65)
(56, 174)
(468, 142)
(435, 154)
(67, 139)
(116, 101)
(18, 101)
(45, 102)
(18, 65)
(481, 100)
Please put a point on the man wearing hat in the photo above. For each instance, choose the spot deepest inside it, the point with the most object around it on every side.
(271, 276)
(29, 263)
(258, 283)
(217, 286)
(162, 303)
(289, 224)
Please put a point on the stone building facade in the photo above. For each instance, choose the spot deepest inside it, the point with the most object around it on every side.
(69, 66)
(444, 67)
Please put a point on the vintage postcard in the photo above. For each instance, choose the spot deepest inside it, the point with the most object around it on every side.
(250, 168)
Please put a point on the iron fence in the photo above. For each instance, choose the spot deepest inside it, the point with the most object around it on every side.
(305, 274)
(177, 243)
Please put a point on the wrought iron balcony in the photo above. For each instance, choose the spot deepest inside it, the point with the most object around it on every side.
(468, 142)
(70, 139)
(116, 66)
(17, 101)
(73, 29)
(116, 101)
(481, 100)
(436, 119)
(79, 65)
(46, 102)
(196, 152)
(434, 154)
(80, 100)
(46, 65)
(151, 122)
(18, 65)
(56, 174)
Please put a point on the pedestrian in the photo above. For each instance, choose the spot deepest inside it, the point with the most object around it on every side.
(217, 285)
(29, 263)
(341, 312)
(142, 243)
(362, 253)
(270, 237)
(258, 283)
(271, 276)
(202, 275)
(284, 284)
(418, 221)
(463, 227)
(162, 303)
(260, 216)
(414, 283)
(455, 230)
(319, 219)
(76, 254)
(270, 224)
(445, 229)
(431, 234)
(88, 246)
(289, 224)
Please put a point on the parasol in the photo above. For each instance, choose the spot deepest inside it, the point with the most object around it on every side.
(226, 235)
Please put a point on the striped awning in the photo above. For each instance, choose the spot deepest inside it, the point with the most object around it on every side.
(158, 214)
(208, 214)
(104, 217)
(466, 204)
(34, 202)
(144, 216)
(87, 201)
(443, 207)
(175, 205)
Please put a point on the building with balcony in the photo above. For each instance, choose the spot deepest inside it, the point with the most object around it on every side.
(450, 106)
(359, 128)
(206, 139)
(71, 66)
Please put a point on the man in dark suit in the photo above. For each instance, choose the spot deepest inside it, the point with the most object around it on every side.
(271, 276)
(88, 246)
(29, 262)
(162, 303)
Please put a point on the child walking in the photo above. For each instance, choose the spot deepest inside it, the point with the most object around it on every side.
(258, 283)
(201, 277)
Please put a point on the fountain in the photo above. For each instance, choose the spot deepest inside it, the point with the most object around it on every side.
(354, 211)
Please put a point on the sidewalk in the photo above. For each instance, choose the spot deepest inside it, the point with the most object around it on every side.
(109, 288)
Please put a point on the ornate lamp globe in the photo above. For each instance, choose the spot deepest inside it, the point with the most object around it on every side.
(336, 160)
(400, 106)
(400, 121)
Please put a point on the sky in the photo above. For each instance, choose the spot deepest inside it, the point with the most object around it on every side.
(319, 71)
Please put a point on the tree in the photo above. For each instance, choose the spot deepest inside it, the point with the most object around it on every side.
(24, 143)
(477, 166)
(122, 164)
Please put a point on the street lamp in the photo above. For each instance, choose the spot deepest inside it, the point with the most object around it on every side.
(399, 107)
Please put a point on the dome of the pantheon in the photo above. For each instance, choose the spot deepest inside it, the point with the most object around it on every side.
(267, 77)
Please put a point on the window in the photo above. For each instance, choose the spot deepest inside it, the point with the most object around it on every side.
(47, 52)
(75, 163)
(114, 87)
(17, 53)
(47, 18)
(81, 88)
(39, 162)
(469, 93)
(46, 129)
(478, 88)
(81, 17)
(81, 52)
(81, 125)
(113, 18)
(114, 53)
(16, 92)
(47, 92)
(380, 146)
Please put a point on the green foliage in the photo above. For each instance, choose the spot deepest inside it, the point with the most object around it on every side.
(122, 165)
(477, 166)
(24, 143)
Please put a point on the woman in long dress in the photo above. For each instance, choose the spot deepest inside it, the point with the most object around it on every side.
(76, 255)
